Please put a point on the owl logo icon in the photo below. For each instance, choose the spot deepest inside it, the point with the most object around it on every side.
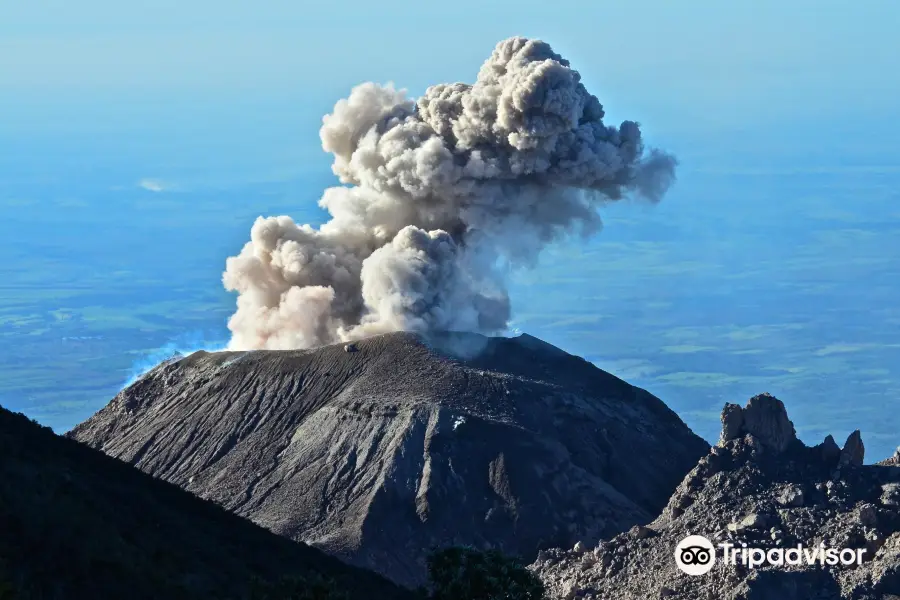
(695, 555)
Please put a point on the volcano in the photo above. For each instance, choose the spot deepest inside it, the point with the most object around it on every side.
(379, 451)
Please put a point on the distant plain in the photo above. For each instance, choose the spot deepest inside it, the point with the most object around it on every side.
(754, 274)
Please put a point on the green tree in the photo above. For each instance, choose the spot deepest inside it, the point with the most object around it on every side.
(460, 573)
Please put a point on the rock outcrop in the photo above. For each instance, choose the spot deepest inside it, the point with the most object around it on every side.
(384, 449)
(763, 488)
(764, 418)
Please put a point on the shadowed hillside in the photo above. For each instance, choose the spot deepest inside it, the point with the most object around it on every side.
(75, 523)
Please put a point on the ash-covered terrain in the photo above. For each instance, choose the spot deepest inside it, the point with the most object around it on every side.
(382, 450)
(379, 451)
(762, 487)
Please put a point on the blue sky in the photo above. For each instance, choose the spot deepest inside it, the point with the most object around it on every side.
(227, 67)
(135, 135)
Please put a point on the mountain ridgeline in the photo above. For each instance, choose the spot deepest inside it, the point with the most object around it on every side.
(379, 451)
(76, 524)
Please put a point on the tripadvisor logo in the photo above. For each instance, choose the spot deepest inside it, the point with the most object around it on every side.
(696, 555)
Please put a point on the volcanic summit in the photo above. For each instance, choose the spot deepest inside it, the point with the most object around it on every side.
(381, 450)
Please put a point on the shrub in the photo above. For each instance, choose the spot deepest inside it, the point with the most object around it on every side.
(460, 573)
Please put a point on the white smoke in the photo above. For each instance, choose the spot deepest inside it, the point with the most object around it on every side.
(442, 197)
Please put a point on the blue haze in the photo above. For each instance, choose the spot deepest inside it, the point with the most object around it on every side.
(138, 142)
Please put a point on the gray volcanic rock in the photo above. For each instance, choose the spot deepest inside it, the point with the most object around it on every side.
(893, 460)
(381, 451)
(767, 490)
(764, 417)
(854, 451)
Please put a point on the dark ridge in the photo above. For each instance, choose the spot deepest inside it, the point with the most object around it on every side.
(75, 523)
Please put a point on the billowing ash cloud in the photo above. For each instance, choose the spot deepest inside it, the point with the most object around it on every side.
(442, 197)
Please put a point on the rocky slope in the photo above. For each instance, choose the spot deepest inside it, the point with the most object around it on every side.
(75, 523)
(762, 487)
(380, 451)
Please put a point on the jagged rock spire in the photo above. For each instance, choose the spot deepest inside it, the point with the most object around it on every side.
(764, 417)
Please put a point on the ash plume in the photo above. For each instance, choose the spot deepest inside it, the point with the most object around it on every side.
(442, 197)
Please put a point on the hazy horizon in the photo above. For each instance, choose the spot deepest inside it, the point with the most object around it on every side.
(140, 143)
